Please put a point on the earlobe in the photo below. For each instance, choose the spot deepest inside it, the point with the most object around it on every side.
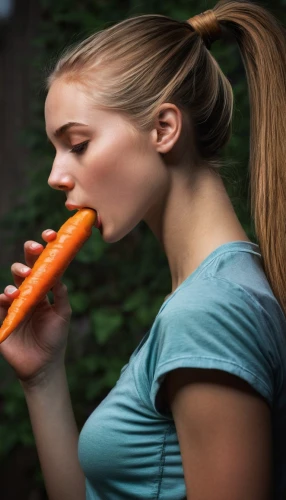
(168, 125)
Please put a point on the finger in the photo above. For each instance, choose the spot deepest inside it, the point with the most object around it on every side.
(11, 292)
(5, 303)
(5, 300)
(49, 235)
(19, 272)
(32, 250)
(61, 302)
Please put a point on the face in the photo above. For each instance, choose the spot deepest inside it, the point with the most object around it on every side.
(101, 162)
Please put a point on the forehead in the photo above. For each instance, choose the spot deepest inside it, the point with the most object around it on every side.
(69, 102)
(65, 101)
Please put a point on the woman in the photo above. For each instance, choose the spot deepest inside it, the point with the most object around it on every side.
(138, 115)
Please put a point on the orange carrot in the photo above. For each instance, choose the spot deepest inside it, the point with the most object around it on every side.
(49, 266)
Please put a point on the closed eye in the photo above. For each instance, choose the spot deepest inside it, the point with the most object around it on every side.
(79, 148)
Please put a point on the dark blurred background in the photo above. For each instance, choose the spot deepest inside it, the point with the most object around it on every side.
(115, 290)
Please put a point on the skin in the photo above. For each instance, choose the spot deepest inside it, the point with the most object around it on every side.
(124, 175)
(224, 427)
(225, 435)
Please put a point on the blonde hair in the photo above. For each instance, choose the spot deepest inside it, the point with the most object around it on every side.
(143, 61)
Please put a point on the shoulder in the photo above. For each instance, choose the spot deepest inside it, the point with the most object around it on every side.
(215, 311)
(210, 290)
(215, 325)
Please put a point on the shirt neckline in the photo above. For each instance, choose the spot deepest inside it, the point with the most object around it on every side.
(230, 246)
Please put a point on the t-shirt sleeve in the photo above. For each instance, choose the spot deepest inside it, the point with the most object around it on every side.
(218, 325)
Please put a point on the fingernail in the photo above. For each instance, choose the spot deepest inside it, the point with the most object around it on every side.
(35, 245)
(24, 269)
(49, 231)
(10, 289)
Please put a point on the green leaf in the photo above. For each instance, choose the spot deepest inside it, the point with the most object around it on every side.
(79, 301)
(136, 300)
(105, 322)
(92, 250)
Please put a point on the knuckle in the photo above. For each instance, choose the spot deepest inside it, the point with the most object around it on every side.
(47, 232)
(15, 267)
(3, 299)
(10, 289)
(32, 245)
(61, 287)
(68, 310)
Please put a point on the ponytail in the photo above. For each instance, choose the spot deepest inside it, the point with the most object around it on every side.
(262, 44)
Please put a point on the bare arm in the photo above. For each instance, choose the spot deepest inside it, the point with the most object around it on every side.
(56, 436)
(224, 432)
(36, 351)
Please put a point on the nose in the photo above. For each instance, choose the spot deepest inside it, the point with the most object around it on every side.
(59, 178)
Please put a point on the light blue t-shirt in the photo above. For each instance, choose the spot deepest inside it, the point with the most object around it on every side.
(223, 316)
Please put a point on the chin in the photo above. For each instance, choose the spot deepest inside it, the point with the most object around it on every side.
(113, 236)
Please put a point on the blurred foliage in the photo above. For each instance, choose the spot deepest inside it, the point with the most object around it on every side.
(115, 290)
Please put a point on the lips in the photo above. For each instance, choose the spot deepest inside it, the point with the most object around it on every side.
(71, 206)
(97, 222)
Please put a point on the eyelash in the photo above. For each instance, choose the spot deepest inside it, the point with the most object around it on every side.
(79, 148)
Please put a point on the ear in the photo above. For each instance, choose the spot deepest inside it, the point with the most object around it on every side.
(167, 127)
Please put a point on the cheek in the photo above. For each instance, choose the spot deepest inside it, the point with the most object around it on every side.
(117, 166)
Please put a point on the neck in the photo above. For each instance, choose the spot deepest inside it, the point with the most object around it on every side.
(195, 218)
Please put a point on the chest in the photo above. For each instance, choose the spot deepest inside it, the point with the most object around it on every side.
(124, 442)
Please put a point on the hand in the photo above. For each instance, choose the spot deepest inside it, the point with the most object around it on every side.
(39, 342)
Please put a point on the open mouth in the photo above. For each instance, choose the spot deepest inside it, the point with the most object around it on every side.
(97, 224)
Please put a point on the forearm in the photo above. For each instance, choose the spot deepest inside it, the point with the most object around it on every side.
(56, 437)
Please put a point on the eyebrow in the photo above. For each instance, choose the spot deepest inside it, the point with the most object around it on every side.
(61, 130)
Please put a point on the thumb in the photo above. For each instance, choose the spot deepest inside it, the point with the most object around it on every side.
(5, 303)
(61, 301)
